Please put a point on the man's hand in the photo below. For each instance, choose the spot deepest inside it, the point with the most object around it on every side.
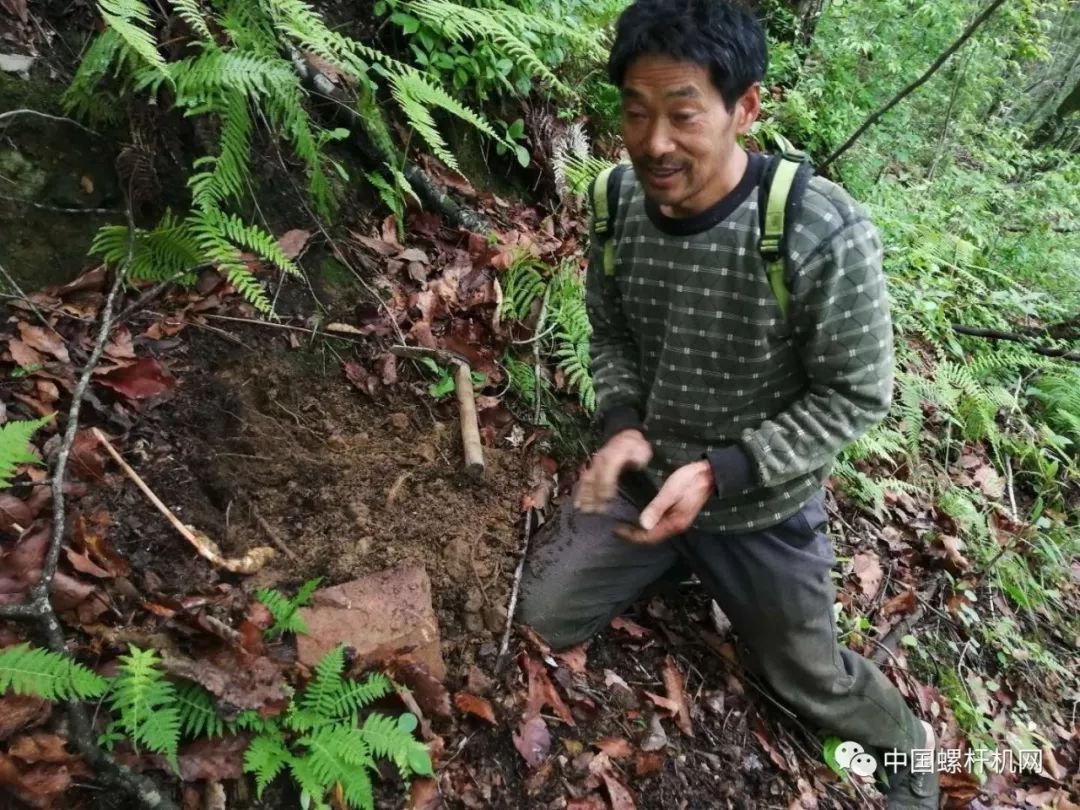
(626, 450)
(675, 506)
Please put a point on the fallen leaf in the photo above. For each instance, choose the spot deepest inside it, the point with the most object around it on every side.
(424, 795)
(991, 484)
(903, 604)
(759, 732)
(386, 368)
(615, 747)
(84, 565)
(292, 242)
(142, 379)
(14, 512)
(361, 377)
(591, 802)
(656, 739)
(542, 692)
(620, 795)
(40, 747)
(628, 626)
(952, 546)
(21, 712)
(121, 346)
(413, 255)
(86, 459)
(612, 678)
(380, 246)
(478, 706)
(44, 340)
(867, 568)
(648, 762)
(574, 659)
(429, 691)
(673, 683)
(342, 329)
(533, 741)
(25, 356)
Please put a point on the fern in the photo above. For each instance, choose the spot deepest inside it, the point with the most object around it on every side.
(331, 698)
(26, 670)
(393, 740)
(15, 446)
(266, 757)
(130, 20)
(146, 704)
(284, 610)
(573, 334)
(190, 12)
(198, 715)
(336, 755)
(522, 284)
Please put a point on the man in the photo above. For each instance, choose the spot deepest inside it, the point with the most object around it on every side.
(731, 412)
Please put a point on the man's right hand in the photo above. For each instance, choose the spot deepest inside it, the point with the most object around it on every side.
(626, 450)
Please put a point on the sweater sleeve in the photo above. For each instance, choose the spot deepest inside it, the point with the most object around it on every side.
(842, 327)
(620, 395)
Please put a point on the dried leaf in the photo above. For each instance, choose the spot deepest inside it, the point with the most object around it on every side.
(361, 377)
(84, 565)
(656, 739)
(867, 568)
(952, 546)
(478, 706)
(615, 747)
(424, 795)
(380, 246)
(648, 762)
(574, 658)
(343, 329)
(24, 355)
(292, 242)
(86, 460)
(13, 512)
(533, 741)
(121, 347)
(542, 692)
(21, 712)
(44, 340)
(40, 747)
(413, 255)
(620, 795)
(629, 627)
(902, 604)
(673, 683)
(142, 379)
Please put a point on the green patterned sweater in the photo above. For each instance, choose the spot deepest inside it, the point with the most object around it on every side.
(689, 344)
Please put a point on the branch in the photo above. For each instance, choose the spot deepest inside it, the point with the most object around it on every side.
(994, 334)
(13, 113)
(911, 88)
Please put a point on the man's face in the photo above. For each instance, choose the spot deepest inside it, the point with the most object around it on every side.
(680, 136)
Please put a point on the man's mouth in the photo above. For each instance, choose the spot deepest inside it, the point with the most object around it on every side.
(662, 175)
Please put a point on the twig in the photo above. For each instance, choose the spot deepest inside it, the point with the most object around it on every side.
(25, 298)
(275, 325)
(203, 545)
(38, 114)
(270, 532)
(995, 334)
(505, 645)
(892, 638)
(58, 209)
(911, 88)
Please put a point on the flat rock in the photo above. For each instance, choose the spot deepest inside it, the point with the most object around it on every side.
(378, 616)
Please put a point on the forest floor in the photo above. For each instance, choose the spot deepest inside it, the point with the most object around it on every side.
(306, 434)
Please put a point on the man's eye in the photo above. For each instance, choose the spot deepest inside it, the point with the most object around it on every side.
(634, 115)
(683, 118)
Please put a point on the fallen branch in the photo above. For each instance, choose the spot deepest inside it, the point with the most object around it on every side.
(500, 662)
(204, 546)
(38, 610)
(38, 114)
(269, 531)
(911, 88)
(994, 334)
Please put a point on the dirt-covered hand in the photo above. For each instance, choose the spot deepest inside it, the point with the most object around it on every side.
(675, 506)
(626, 450)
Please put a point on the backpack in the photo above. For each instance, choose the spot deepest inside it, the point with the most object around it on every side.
(783, 186)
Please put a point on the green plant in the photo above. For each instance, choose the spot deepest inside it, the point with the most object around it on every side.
(320, 738)
(284, 609)
(15, 447)
(236, 68)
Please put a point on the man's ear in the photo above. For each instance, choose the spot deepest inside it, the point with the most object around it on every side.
(747, 109)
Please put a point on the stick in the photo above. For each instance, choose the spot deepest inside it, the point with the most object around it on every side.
(13, 113)
(501, 660)
(911, 88)
(994, 334)
(470, 427)
(204, 546)
(275, 538)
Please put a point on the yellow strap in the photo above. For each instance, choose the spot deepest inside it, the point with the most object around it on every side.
(602, 219)
(773, 236)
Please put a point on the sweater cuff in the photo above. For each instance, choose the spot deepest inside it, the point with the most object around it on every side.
(732, 469)
(620, 418)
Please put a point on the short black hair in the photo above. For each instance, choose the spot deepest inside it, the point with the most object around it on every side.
(723, 37)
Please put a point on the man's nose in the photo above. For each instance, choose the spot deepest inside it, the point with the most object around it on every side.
(658, 140)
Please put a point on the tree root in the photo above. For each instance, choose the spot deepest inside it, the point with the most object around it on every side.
(372, 141)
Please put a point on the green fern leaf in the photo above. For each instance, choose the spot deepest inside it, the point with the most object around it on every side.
(27, 670)
(130, 19)
(266, 757)
(15, 446)
(198, 714)
(147, 704)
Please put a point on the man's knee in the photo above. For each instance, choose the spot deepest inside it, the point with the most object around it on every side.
(547, 611)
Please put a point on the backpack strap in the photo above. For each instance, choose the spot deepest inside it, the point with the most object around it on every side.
(785, 183)
(605, 204)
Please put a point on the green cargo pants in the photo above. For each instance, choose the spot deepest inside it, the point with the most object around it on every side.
(774, 586)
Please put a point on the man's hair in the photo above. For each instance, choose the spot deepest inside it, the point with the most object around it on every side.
(721, 36)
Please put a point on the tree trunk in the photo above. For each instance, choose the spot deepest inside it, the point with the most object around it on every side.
(1053, 94)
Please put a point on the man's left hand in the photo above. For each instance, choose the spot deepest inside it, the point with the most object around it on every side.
(675, 506)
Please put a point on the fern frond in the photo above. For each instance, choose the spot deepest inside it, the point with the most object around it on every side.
(522, 284)
(27, 670)
(392, 739)
(146, 704)
(15, 446)
(340, 755)
(130, 19)
(83, 97)
(198, 714)
(284, 610)
(266, 757)
(191, 13)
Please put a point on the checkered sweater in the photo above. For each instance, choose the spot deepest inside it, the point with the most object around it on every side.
(689, 344)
